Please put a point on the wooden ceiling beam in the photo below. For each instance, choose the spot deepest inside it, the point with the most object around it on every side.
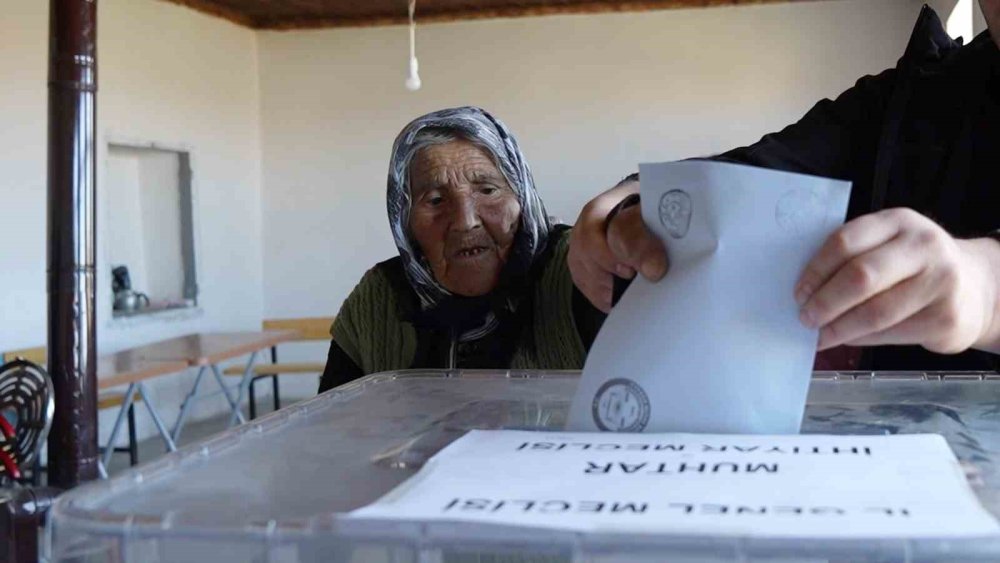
(211, 8)
(428, 15)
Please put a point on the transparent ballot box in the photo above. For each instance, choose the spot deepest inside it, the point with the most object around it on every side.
(275, 490)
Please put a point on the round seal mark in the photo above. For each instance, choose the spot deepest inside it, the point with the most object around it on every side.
(675, 212)
(621, 405)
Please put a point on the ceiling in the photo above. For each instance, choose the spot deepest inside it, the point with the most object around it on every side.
(297, 14)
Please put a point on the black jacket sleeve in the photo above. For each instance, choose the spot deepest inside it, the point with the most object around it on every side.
(340, 369)
(836, 138)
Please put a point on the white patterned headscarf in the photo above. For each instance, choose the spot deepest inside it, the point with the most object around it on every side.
(479, 127)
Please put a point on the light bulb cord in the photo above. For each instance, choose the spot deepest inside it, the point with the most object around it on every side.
(413, 81)
(413, 29)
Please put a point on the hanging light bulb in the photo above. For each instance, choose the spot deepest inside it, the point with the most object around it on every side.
(413, 80)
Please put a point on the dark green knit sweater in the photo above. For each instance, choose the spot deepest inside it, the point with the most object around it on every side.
(369, 330)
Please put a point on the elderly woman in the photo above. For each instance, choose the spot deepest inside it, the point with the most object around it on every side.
(481, 279)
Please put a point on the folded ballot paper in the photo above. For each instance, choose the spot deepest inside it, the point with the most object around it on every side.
(716, 345)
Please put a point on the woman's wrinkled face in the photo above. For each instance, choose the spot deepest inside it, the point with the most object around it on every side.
(464, 215)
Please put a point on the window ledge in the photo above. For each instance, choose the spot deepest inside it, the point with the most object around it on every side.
(154, 315)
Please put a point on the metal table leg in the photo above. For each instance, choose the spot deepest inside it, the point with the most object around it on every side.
(237, 414)
(110, 449)
(186, 405)
(233, 403)
(139, 387)
(160, 427)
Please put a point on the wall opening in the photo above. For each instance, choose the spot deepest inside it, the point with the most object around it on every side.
(150, 230)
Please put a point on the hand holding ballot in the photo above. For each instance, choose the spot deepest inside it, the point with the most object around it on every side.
(716, 345)
(896, 277)
(890, 277)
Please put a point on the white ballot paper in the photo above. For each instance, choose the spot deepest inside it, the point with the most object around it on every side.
(800, 486)
(716, 345)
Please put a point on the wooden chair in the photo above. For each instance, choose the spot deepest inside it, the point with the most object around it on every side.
(309, 329)
(105, 400)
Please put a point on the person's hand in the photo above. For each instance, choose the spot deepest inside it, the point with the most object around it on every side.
(590, 261)
(598, 250)
(896, 277)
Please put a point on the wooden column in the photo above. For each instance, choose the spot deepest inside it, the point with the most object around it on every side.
(72, 343)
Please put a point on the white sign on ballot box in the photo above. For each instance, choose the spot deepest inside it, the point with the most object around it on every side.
(808, 486)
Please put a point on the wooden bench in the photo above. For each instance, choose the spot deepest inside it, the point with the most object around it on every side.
(309, 329)
(105, 399)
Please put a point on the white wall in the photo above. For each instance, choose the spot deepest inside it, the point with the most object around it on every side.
(588, 96)
(161, 216)
(169, 75)
(978, 20)
(23, 48)
(962, 18)
(123, 217)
